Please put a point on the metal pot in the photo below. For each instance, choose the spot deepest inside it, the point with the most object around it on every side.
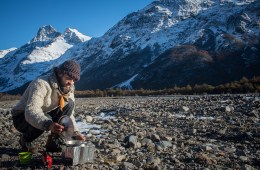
(73, 143)
(78, 152)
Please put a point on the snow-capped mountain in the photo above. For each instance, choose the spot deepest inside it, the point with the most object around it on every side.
(19, 66)
(4, 52)
(166, 43)
(176, 43)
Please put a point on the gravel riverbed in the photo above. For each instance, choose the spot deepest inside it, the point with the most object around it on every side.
(166, 132)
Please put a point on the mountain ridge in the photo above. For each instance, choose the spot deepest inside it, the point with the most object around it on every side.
(206, 31)
(37, 56)
(171, 43)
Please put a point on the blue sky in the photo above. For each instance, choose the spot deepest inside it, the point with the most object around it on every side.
(21, 19)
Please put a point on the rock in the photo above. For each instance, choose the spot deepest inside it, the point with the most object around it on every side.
(155, 138)
(222, 131)
(207, 148)
(128, 165)
(153, 160)
(138, 145)
(247, 167)
(112, 146)
(243, 158)
(203, 158)
(158, 148)
(120, 158)
(89, 119)
(5, 157)
(151, 147)
(141, 134)
(116, 151)
(230, 149)
(164, 144)
(131, 141)
(175, 160)
(167, 138)
(229, 109)
(254, 113)
(185, 108)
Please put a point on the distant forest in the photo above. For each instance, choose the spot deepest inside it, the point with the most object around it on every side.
(244, 85)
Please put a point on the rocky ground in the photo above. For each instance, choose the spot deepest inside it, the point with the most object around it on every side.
(168, 132)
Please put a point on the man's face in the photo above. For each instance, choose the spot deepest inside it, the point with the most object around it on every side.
(67, 81)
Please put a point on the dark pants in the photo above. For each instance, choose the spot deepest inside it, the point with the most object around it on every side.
(30, 133)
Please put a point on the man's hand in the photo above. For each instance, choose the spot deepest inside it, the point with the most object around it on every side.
(56, 128)
(79, 136)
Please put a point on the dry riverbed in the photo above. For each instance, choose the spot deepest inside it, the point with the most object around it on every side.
(166, 132)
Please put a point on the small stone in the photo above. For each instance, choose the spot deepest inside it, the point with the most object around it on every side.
(119, 158)
(132, 141)
(243, 158)
(146, 141)
(229, 109)
(207, 148)
(155, 138)
(222, 131)
(138, 145)
(116, 151)
(230, 149)
(89, 119)
(5, 157)
(151, 147)
(153, 160)
(164, 144)
(247, 167)
(254, 113)
(128, 165)
(168, 138)
(141, 134)
(185, 108)
(159, 148)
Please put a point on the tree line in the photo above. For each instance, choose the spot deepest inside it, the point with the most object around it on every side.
(244, 85)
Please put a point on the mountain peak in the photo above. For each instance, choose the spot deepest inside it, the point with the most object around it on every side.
(73, 36)
(45, 33)
(168, 43)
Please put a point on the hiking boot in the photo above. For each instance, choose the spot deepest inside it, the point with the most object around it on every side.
(27, 146)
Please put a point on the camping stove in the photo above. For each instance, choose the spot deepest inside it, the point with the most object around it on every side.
(78, 152)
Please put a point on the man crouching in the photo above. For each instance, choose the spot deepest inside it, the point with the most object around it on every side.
(44, 102)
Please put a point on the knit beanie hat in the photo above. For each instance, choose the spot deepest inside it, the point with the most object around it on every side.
(71, 68)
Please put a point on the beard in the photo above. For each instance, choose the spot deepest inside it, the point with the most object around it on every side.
(65, 90)
(65, 87)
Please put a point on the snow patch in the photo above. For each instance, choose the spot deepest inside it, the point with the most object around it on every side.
(127, 83)
(90, 129)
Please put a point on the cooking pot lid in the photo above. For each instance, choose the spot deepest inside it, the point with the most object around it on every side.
(68, 131)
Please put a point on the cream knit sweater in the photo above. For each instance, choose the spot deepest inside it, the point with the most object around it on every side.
(41, 97)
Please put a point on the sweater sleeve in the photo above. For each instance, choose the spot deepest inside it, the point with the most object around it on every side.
(34, 114)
